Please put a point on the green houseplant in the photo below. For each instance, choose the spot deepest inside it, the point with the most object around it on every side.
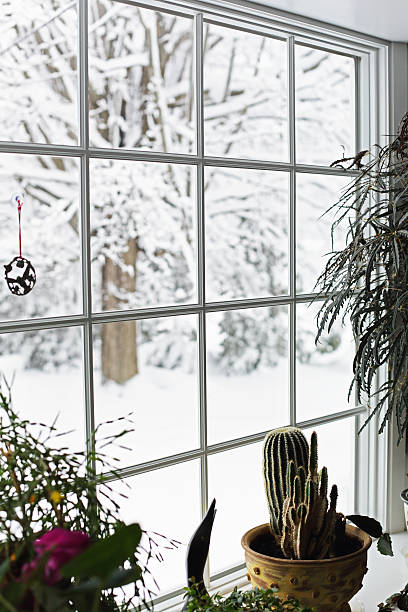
(245, 601)
(396, 601)
(61, 547)
(368, 279)
(308, 550)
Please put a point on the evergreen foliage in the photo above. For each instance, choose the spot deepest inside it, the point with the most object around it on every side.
(368, 279)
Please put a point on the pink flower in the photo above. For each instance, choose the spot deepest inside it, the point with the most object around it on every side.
(63, 545)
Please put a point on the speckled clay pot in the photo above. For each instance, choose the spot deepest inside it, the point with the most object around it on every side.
(326, 585)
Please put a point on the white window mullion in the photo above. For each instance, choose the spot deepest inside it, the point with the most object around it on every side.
(86, 222)
(202, 353)
(292, 229)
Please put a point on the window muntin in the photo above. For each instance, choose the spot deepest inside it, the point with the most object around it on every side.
(199, 453)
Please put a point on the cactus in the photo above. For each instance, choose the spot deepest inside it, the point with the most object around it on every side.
(308, 519)
(285, 451)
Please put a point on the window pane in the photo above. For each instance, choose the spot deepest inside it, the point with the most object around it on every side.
(245, 98)
(38, 78)
(315, 194)
(46, 367)
(325, 121)
(323, 372)
(247, 372)
(336, 443)
(50, 233)
(140, 78)
(148, 368)
(236, 482)
(143, 234)
(167, 502)
(246, 233)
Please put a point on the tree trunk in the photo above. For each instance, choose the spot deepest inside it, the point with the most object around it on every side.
(119, 341)
(119, 350)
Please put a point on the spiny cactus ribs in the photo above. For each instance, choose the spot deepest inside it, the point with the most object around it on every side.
(306, 521)
(281, 446)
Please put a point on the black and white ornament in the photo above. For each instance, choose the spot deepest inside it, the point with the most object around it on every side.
(20, 276)
(20, 273)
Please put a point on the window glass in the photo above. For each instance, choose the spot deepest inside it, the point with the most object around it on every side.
(51, 234)
(173, 238)
(143, 234)
(315, 195)
(247, 248)
(44, 369)
(245, 95)
(323, 371)
(140, 78)
(325, 113)
(247, 372)
(235, 480)
(147, 370)
(166, 503)
(38, 71)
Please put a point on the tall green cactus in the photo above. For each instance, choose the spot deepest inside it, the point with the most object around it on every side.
(308, 519)
(282, 448)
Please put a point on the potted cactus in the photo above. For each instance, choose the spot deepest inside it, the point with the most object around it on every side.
(308, 550)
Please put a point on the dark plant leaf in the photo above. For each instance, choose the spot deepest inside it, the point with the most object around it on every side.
(367, 524)
(403, 602)
(4, 568)
(384, 545)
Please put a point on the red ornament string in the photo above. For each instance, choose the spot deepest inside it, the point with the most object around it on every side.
(20, 204)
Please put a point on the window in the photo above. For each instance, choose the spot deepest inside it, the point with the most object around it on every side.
(175, 161)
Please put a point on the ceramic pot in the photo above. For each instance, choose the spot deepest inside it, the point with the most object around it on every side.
(326, 585)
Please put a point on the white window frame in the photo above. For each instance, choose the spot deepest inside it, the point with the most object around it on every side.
(373, 463)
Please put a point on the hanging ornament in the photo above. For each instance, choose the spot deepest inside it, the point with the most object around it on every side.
(20, 273)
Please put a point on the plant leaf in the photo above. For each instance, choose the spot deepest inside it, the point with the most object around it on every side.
(384, 545)
(105, 556)
(367, 524)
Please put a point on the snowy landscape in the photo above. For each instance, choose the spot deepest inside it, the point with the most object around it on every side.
(144, 250)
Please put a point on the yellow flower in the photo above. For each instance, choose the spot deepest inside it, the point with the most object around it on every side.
(13, 557)
(32, 499)
(56, 497)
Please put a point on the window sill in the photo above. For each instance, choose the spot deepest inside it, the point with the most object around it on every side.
(386, 575)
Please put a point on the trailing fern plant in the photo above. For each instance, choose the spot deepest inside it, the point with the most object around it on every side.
(368, 279)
